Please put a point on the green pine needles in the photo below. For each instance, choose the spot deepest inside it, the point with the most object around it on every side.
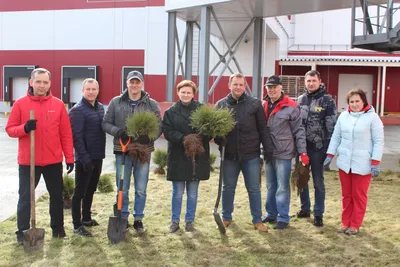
(160, 157)
(212, 122)
(142, 123)
(68, 186)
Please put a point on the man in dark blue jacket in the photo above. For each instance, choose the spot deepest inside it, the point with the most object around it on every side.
(90, 145)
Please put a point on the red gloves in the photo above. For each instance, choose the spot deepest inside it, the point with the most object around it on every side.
(304, 158)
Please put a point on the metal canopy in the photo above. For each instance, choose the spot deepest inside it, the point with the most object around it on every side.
(233, 14)
(230, 21)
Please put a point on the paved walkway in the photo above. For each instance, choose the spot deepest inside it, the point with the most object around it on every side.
(9, 166)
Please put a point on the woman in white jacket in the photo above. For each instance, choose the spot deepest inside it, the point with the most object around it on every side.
(358, 142)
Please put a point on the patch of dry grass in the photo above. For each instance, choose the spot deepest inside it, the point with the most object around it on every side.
(301, 244)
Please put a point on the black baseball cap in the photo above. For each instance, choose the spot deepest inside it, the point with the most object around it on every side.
(134, 75)
(273, 80)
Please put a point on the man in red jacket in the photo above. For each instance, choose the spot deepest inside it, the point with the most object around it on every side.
(53, 139)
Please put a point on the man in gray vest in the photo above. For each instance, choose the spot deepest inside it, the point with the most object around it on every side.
(132, 100)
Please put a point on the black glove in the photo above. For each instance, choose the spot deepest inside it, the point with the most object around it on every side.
(143, 139)
(122, 134)
(221, 141)
(88, 167)
(267, 157)
(30, 125)
(70, 167)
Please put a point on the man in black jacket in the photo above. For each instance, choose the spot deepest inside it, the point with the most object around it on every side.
(318, 113)
(242, 152)
(90, 145)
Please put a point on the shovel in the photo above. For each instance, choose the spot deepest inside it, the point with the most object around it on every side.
(116, 224)
(34, 237)
(216, 215)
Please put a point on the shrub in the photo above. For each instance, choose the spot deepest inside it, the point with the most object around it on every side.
(160, 157)
(68, 190)
(212, 122)
(68, 186)
(142, 123)
(106, 184)
(213, 158)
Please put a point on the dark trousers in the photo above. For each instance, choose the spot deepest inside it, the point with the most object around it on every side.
(317, 158)
(52, 175)
(85, 186)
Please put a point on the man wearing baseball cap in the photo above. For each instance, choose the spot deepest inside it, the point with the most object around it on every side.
(133, 99)
(288, 138)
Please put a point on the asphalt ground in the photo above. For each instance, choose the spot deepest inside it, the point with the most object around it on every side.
(9, 166)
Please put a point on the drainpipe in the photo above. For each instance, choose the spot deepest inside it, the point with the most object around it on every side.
(383, 90)
(378, 89)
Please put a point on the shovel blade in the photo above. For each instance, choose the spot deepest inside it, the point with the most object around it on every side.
(33, 239)
(218, 220)
(116, 229)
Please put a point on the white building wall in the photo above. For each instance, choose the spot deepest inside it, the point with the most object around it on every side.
(322, 31)
(116, 29)
(271, 53)
(281, 26)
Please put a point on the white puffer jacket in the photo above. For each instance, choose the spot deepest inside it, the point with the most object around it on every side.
(357, 139)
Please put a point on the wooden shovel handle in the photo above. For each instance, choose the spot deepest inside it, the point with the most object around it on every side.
(32, 172)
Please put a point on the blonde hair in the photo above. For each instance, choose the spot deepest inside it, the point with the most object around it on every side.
(185, 83)
(90, 80)
(40, 71)
(237, 75)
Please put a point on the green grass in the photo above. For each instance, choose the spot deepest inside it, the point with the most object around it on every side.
(378, 243)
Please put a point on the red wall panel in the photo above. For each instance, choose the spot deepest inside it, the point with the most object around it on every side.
(392, 93)
(330, 77)
(110, 64)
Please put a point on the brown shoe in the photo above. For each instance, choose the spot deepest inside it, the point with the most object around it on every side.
(226, 223)
(260, 227)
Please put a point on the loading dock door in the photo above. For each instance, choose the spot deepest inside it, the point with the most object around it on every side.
(75, 86)
(71, 81)
(125, 71)
(10, 73)
(19, 87)
(353, 81)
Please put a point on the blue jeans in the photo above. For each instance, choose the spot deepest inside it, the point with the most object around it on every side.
(278, 189)
(141, 177)
(317, 170)
(178, 188)
(251, 172)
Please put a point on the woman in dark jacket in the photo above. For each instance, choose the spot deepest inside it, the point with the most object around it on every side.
(176, 125)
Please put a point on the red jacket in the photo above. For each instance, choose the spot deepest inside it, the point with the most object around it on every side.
(53, 135)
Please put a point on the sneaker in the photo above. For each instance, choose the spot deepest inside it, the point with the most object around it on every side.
(342, 230)
(59, 233)
(303, 214)
(189, 227)
(281, 225)
(138, 226)
(350, 231)
(82, 231)
(269, 220)
(318, 221)
(260, 227)
(174, 227)
(90, 223)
